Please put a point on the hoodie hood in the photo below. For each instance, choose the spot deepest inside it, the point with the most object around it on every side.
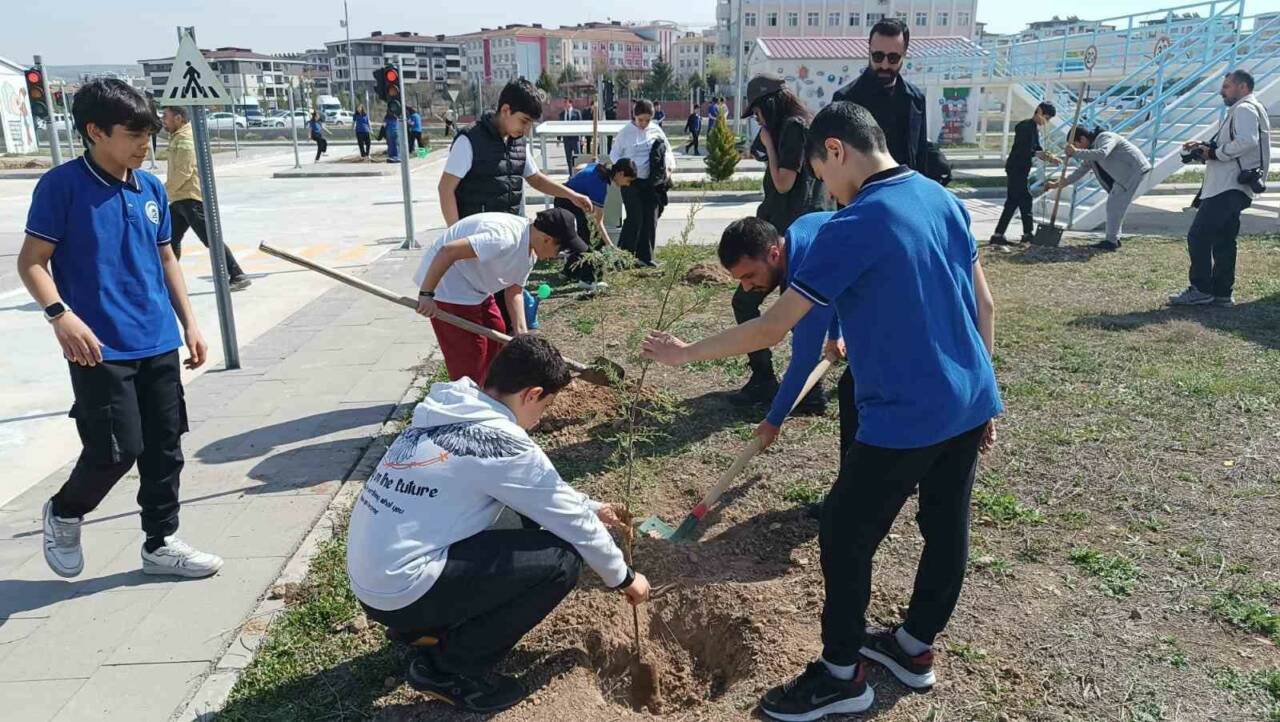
(456, 402)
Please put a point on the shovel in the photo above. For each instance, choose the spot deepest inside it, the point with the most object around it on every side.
(655, 527)
(1051, 235)
(601, 372)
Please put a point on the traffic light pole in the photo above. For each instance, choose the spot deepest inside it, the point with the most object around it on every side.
(55, 150)
(66, 121)
(410, 241)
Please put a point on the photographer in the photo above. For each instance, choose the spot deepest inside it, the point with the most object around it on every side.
(1236, 160)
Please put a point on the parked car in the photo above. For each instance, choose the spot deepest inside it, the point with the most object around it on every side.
(339, 117)
(254, 117)
(280, 118)
(224, 121)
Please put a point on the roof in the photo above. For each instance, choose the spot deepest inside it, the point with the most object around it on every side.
(823, 48)
(616, 34)
(394, 38)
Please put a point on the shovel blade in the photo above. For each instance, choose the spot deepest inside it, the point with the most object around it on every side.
(1047, 236)
(656, 528)
(603, 372)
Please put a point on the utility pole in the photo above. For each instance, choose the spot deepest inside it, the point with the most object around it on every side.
(737, 110)
(351, 59)
(410, 240)
(55, 150)
(293, 123)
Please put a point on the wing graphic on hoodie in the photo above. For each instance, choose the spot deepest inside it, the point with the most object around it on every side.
(461, 439)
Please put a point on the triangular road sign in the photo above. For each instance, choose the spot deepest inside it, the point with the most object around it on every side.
(191, 80)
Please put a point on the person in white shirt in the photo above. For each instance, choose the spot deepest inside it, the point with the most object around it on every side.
(424, 557)
(478, 257)
(636, 141)
(1236, 162)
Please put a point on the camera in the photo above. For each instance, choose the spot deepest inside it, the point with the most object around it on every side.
(1254, 178)
(1199, 154)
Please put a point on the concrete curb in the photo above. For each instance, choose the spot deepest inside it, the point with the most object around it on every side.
(211, 696)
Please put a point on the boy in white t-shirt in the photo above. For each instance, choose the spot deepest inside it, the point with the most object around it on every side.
(480, 256)
(421, 554)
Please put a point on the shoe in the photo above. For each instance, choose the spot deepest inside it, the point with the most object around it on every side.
(915, 672)
(592, 287)
(1191, 296)
(814, 404)
(1224, 301)
(470, 693)
(62, 543)
(177, 558)
(816, 693)
(1026, 239)
(760, 389)
(998, 239)
(814, 510)
(240, 283)
(649, 264)
(1106, 246)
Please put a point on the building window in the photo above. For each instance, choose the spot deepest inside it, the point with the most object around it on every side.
(811, 19)
(793, 20)
(922, 19)
(749, 20)
(962, 19)
(771, 20)
(943, 19)
(873, 18)
(833, 20)
(855, 19)
(901, 16)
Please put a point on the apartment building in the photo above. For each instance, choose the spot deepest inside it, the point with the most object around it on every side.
(430, 59)
(246, 74)
(689, 54)
(499, 55)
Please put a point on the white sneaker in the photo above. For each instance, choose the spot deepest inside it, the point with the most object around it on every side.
(1192, 296)
(592, 287)
(177, 558)
(62, 543)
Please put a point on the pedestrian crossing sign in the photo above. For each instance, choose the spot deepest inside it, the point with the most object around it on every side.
(191, 80)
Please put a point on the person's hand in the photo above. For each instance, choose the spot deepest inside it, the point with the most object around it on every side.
(833, 350)
(1189, 145)
(1047, 157)
(638, 592)
(196, 346)
(78, 342)
(426, 306)
(664, 348)
(582, 202)
(1070, 150)
(765, 138)
(1050, 185)
(615, 516)
(988, 440)
(767, 433)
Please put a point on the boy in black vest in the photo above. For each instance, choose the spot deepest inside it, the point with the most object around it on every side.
(488, 166)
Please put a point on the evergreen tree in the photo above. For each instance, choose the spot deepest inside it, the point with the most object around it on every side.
(661, 79)
(569, 75)
(722, 151)
(697, 82)
(546, 83)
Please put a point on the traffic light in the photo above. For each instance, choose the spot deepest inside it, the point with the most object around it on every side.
(35, 93)
(387, 80)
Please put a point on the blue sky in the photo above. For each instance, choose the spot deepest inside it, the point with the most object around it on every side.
(92, 31)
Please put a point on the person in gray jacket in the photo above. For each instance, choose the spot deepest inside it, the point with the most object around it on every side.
(1120, 167)
(1239, 151)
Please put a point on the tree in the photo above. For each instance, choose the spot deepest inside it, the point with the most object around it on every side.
(546, 83)
(661, 79)
(697, 82)
(722, 151)
(718, 71)
(569, 75)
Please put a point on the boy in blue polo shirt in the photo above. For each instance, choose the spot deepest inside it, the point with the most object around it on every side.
(593, 182)
(111, 300)
(900, 266)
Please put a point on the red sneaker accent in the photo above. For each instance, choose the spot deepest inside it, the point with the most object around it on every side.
(924, 659)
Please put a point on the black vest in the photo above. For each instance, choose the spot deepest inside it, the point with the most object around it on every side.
(496, 177)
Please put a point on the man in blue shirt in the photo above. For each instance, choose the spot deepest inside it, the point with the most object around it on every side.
(755, 255)
(593, 182)
(415, 128)
(900, 266)
(110, 301)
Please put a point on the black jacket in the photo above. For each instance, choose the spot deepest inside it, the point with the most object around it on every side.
(496, 178)
(922, 155)
(659, 174)
(1026, 142)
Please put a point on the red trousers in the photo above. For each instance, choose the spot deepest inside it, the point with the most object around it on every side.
(466, 354)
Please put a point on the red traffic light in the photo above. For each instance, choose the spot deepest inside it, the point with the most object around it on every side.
(392, 76)
(33, 76)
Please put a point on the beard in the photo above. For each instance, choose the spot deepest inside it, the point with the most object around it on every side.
(886, 77)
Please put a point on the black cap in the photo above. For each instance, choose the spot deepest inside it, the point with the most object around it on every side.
(759, 87)
(562, 226)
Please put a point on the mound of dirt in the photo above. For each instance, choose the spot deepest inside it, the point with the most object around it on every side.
(708, 273)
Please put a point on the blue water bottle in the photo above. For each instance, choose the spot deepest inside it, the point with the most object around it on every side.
(530, 309)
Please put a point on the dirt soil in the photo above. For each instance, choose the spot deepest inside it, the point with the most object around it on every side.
(1086, 461)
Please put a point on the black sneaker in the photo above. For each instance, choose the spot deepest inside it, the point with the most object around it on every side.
(760, 389)
(915, 672)
(999, 240)
(470, 693)
(1106, 246)
(816, 694)
(1026, 238)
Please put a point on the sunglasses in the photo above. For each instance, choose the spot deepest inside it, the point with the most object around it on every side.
(879, 57)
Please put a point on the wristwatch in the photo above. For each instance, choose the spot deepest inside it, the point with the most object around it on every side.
(427, 294)
(54, 311)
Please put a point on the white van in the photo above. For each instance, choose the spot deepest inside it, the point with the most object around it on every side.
(329, 106)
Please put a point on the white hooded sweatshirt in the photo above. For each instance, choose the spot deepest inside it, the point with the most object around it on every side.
(447, 477)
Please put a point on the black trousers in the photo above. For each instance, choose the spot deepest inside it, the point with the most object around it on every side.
(127, 412)
(848, 411)
(1211, 242)
(873, 485)
(693, 141)
(571, 154)
(746, 306)
(189, 213)
(640, 227)
(322, 145)
(364, 143)
(495, 587)
(574, 268)
(415, 140)
(1018, 198)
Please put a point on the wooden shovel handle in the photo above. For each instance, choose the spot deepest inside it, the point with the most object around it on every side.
(1053, 217)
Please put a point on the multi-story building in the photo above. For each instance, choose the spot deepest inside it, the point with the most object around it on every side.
(838, 18)
(689, 54)
(662, 32)
(318, 71)
(499, 55)
(433, 60)
(246, 74)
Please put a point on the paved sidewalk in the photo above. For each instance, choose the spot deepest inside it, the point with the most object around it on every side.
(269, 446)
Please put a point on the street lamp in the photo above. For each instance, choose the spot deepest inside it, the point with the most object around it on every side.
(351, 69)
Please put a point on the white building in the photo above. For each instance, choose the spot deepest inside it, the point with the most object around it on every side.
(689, 54)
(246, 74)
(17, 129)
(423, 59)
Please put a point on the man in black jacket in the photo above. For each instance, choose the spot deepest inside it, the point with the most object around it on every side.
(1026, 147)
(898, 106)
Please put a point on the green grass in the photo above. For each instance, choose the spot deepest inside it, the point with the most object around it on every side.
(1116, 573)
(583, 324)
(967, 652)
(1246, 611)
(740, 184)
(802, 494)
(1004, 508)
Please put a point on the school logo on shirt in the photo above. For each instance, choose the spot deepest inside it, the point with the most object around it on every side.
(153, 212)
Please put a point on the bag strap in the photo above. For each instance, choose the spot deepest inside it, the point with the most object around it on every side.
(1232, 131)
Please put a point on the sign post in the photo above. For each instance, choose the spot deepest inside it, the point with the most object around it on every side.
(293, 123)
(193, 83)
(66, 121)
(55, 147)
(410, 240)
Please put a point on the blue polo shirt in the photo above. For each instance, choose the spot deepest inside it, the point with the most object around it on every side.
(415, 122)
(316, 127)
(106, 261)
(897, 263)
(591, 182)
(362, 122)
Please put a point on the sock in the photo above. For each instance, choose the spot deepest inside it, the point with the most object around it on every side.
(840, 671)
(910, 644)
(153, 543)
